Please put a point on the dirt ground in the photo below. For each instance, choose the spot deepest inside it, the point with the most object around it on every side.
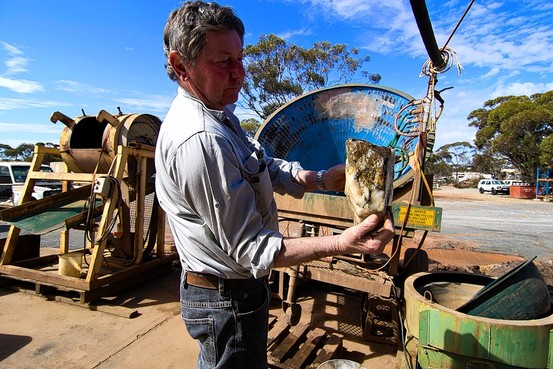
(447, 253)
(38, 333)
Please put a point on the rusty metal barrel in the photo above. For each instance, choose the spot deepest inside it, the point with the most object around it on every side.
(89, 143)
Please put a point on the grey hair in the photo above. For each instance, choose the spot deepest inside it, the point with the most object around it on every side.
(187, 27)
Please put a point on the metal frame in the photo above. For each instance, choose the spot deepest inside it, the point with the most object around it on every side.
(98, 280)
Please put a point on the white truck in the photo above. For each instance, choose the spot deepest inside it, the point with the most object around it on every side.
(12, 180)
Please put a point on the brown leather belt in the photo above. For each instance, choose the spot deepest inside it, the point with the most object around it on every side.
(212, 282)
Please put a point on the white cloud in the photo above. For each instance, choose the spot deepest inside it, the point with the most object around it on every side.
(16, 63)
(502, 36)
(155, 103)
(11, 49)
(354, 9)
(522, 88)
(11, 104)
(299, 32)
(46, 128)
(80, 88)
(22, 86)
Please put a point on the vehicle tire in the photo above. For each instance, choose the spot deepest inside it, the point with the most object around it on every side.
(481, 190)
(494, 192)
(419, 263)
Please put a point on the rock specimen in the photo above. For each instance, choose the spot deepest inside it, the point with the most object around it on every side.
(369, 178)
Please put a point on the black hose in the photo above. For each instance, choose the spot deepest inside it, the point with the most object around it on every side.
(427, 33)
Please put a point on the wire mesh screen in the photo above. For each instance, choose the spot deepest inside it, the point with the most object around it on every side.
(313, 128)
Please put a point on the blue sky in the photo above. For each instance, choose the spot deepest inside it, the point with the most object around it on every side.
(91, 55)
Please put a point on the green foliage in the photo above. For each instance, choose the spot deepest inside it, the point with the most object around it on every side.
(277, 72)
(546, 150)
(486, 162)
(518, 129)
(250, 125)
(25, 151)
(450, 158)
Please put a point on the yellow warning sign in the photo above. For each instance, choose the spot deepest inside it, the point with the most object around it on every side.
(418, 217)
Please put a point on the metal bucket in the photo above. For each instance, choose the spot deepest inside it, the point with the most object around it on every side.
(340, 364)
(70, 264)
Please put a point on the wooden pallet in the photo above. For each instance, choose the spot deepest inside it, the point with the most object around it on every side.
(380, 320)
(300, 346)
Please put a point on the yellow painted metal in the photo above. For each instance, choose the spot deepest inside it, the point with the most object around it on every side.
(420, 217)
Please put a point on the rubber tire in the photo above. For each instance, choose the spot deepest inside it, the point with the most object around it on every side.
(481, 190)
(420, 262)
(494, 192)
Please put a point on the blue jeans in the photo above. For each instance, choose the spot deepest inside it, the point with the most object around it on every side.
(230, 325)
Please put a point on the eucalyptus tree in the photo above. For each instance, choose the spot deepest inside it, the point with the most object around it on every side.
(278, 71)
(517, 128)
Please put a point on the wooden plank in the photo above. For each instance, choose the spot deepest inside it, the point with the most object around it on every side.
(329, 350)
(117, 310)
(272, 320)
(132, 272)
(153, 270)
(291, 341)
(46, 278)
(368, 282)
(38, 262)
(277, 330)
(59, 176)
(78, 284)
(107, 216)
(308, 348)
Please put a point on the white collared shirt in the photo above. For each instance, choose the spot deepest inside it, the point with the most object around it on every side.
(217, 193)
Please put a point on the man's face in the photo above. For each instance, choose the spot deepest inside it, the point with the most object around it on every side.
(218, 74)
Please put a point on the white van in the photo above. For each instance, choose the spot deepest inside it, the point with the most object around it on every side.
(12, 179)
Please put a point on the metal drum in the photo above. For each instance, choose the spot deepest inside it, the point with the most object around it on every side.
(81, 145)
(89, 143)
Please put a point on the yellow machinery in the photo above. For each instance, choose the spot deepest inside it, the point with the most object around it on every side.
(109, 194)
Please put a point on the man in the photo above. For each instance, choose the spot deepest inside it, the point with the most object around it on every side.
(216, 186)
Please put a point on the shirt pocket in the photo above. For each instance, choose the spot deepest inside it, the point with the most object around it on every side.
(257, 174)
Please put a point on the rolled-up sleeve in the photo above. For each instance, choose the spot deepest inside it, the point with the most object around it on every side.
(282, 174)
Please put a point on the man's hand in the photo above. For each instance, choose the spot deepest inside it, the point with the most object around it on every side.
(334, 178)
(365, 238)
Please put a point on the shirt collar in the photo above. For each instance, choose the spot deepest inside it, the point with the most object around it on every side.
(220, 115)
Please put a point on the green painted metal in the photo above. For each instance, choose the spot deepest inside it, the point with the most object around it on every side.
(457, 336)
(450, 339)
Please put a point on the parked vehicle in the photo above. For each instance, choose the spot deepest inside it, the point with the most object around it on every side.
(515, 182)
(494, 186)
(13, 175)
